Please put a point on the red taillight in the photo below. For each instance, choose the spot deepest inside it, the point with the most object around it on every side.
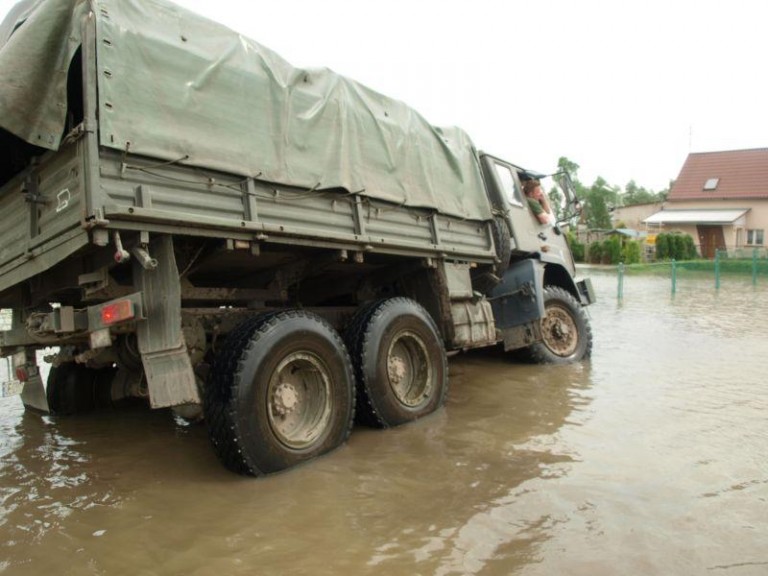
(20, 366)
(117, 312)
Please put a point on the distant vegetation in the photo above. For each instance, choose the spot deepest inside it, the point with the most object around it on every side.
(613, 250)
(599, 198)
(675, 246)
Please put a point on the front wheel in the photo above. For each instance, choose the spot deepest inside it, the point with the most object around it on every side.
(567, 335)
(279, 392)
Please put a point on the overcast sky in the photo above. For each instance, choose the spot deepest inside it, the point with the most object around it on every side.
(624, 89)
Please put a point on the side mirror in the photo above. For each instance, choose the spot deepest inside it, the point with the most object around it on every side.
(570, 205)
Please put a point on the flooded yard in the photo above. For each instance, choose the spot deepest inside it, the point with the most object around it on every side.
(650, 459)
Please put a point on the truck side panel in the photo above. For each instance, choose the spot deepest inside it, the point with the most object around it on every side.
(187, 200)
(42, 210)
(14, 233)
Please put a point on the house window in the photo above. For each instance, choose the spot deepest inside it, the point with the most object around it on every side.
(755, 237)
(711, 184)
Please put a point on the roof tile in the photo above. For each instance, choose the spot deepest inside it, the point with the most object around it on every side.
(741, 173)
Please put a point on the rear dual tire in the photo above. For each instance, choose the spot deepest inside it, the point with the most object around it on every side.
(400, 362)
(76, 389)
(280, 392)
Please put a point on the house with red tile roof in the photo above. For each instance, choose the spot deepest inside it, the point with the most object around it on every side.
(719, 198)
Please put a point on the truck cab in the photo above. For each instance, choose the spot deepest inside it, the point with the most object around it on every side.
(529, 237)
(537, 302)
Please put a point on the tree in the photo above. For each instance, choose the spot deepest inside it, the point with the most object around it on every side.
(597, 199)
(565, 165)
(634, 194)
(601, 197)
(556, 201)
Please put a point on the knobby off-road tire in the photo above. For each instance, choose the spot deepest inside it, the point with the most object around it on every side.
(400, 363)
(565, 328)
(280, 392)
(501, 239)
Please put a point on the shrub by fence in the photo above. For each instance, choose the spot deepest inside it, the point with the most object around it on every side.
(631, 253)
(675, 246)
(577, 248)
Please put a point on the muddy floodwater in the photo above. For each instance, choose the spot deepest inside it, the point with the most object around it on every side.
(650, 459)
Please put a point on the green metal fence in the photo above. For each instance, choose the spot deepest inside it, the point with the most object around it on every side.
(725, 264)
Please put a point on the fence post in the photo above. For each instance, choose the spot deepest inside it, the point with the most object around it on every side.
(674, 276)
(620, 294)
(754, 267)
(717, 269)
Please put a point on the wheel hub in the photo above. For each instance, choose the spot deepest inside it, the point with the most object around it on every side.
(560, 333)
(285, 400)
(299, 404)
(397, 369)
(561, 330)
(409, 369)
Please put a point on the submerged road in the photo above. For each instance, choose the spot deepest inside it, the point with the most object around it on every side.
(650, 459)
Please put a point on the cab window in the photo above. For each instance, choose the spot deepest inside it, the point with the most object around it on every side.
(509, 185)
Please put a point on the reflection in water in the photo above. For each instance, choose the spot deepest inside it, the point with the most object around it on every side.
(490, 454)
(650, 459)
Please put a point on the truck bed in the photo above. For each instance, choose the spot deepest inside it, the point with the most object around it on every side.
(63, 220)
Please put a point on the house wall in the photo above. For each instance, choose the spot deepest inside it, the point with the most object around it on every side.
(633, 216)
(735, 235)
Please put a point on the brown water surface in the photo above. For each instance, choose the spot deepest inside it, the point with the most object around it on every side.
(650, 459)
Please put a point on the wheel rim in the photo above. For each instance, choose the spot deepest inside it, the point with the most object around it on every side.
(561, 335)
(409, 369)
(299, 407)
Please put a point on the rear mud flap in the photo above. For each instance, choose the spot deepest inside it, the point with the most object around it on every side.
(170, 378)
(33, 395)
(167, 366)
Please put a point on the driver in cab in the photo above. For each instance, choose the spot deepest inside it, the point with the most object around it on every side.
(538, 201)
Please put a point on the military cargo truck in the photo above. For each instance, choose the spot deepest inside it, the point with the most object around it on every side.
(190, 220)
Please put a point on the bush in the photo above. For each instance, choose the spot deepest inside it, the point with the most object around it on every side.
(662, 247)
(595, 253)
(611, 250)
(675, 245)
(577, 248)
(631, 252)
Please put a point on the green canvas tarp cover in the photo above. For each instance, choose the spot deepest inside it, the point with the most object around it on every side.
(178, 87)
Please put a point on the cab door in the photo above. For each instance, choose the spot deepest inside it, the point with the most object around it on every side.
(506, 194)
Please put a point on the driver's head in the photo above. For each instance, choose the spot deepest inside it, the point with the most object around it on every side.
(529, 187)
